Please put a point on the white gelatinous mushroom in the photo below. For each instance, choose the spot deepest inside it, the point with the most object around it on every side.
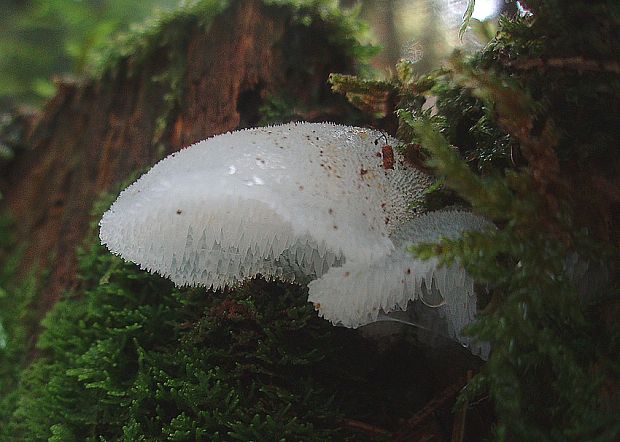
(293, 201)
(279, 201)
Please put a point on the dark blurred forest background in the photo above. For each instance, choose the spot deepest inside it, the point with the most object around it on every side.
(44, 39)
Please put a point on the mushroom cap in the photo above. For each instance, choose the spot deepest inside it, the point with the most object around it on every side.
(357, 292)
(281, 201)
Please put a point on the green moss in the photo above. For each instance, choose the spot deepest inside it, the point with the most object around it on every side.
(279, 109)
(132, 357)
(17, 320)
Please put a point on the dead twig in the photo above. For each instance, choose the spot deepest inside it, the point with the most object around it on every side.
(460, 418)
(365, 428)
(421, 418)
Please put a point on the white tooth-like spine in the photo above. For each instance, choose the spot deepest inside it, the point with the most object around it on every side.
(357, 292)
(287, 201)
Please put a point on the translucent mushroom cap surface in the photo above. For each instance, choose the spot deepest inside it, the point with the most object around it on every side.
(280, 201)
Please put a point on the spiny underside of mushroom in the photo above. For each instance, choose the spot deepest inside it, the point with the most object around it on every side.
(356, 294)
(281, 201)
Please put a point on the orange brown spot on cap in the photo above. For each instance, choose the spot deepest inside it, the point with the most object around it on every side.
(388, 157)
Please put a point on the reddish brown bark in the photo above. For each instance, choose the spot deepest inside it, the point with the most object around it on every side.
(91, 136)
